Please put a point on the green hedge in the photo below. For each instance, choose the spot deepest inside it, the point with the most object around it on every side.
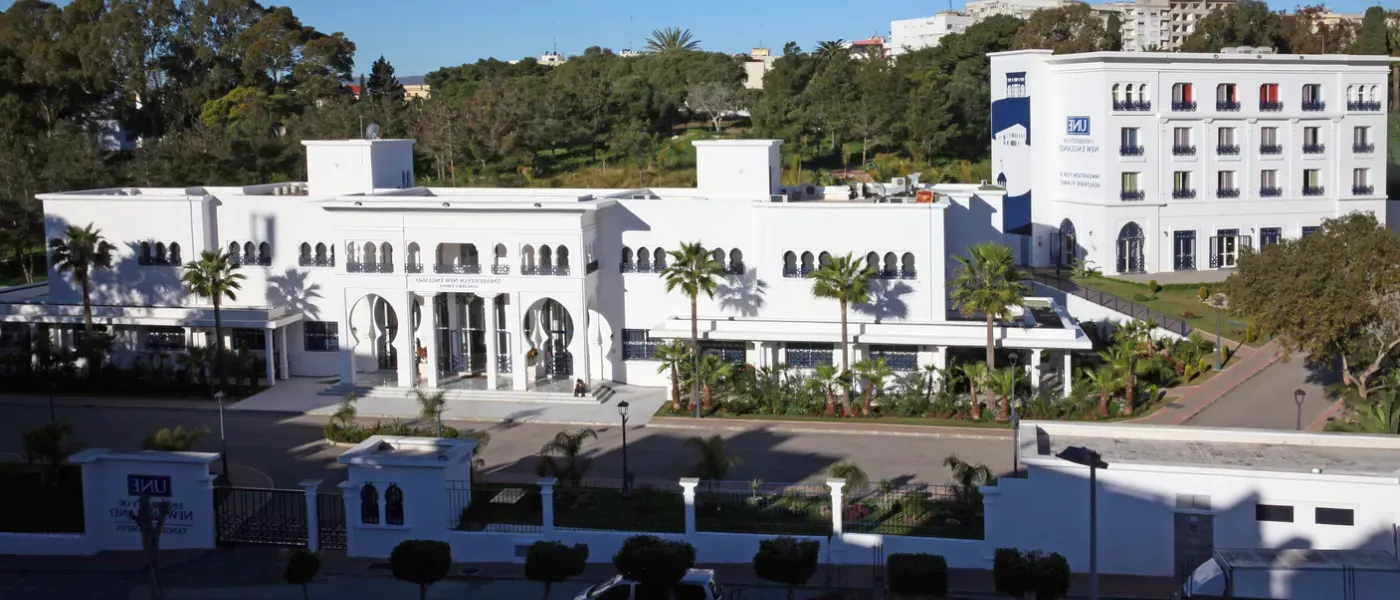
(917, 574)
(357, 434)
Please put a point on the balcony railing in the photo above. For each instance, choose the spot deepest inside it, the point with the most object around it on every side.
(544, 270)
(1180, 150)
(1181, 106)
(1183, 194)
(1364, 106)
(640, 268)
(1363, 190)
(791, 272)
(1271, 149)
(1228, 149)
(1312, 191)
(735, 267)
(458, 269)
(1129, 106)
(1129, 196)
(307, 261)
(1314, 148)
(1270, 192)
(500, 269)
(1130, 151)
(1270, 106)
(1227, 193)
(413, 267)
(591, 266)
(1363, 148)
(1227, 105)
(368, 267)
(1314, 105)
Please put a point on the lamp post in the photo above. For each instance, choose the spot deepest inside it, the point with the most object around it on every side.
(223, 443)
(622, 410)
(1298, 396)
(1080, 455)
(1219, 302)
(1015, 422)
(694, 380)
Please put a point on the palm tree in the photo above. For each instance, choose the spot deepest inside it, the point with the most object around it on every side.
(831, 49)
(846, 281)
(1377, 412)
(671, 39)
(988, 282)
(50, 445)
(561, 458)
(824, 380)
(693, 271)
(1105, 380)
(672, 355)
(713, 463)
(215, 277)
(1127, 362)
(345, 412)
(1139, 333)
(967, 479)
(713, 370)
(1001, 383)
(431, 405)
(974, 373)
(873, 374)
(81, 251)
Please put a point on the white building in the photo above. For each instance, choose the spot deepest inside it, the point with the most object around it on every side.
(907, 35)
(1021, 9)
(757, 64)
(356, 272)
(1158, 24)
(1151, 162)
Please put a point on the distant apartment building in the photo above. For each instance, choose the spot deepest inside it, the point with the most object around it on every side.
(1021, 9)
(415, 86)
(553, 59)
(630, 53)
(908, 35)
(759, 61)
(867, 48)
(1158, 24)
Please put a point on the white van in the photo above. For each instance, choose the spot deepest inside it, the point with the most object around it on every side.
(697, 584)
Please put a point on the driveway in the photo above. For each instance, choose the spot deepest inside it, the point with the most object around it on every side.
(1266, 401)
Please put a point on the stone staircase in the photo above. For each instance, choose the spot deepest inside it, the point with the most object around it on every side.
(599, 393)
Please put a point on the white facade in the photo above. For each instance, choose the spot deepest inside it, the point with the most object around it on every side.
(1154, 162)
(1021, 9)
(908, 35)
(357, 273)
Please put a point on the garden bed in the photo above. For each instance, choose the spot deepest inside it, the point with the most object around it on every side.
(516, 507)
(1178, 300)
(788, 510)
(28, 504)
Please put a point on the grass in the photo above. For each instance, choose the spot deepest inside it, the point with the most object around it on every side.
(1182, 303)
(30, 505)
(602, 508)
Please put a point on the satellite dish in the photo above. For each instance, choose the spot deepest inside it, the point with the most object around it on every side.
(372, 132)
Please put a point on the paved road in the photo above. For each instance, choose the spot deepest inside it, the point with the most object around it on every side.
(289, 449)
(1266, 400)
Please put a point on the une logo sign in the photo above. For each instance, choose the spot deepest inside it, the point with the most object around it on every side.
(1077, 126)
(157, 486)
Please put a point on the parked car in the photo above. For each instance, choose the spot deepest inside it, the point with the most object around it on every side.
(697, 584)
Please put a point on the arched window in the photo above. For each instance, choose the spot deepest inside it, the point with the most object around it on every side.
(145, 257)
(824, 259)
(789, 264)
(1130, 249)
(626, 264)
(1142, 92)
(393, 505)
(1352, 96)
(175, 253)
(736, 261)
(369, 256)
(414, 253)
(304, 254)
(546, 259)
(469, 255)
(561, 260)
(658, 257)
(369, 504)
(1375, 94)
(643, 260)
(527, 260)
(718, 255)
(872, 263)
(891, 266)
(352, 252)
(320, 252)
(1117, 97)
(386, 255)
(807, 259)
(249, 253)
(233, 251)
(160, 253)
(906, 267)
(264, 253)
(500, 255)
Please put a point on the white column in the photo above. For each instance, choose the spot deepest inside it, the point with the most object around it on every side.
(347, 354)
(350, 493)
(404, 343)
(578, 345)
(753, 354)
(940, 361)
(33, 345)
(491, 359)
(454, 322)
(688, 492)
(268, 358)
(547, 504)
(429, 335)
(313, 519)
(837, 506)
(1035, 370)
(518, 346)
(282, 333)
(1068, 375)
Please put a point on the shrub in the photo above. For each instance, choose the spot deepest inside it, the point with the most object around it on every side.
(302, 567)
(422, 562)
(655, 564)
(355, 434)
(787, 561)
(1010, 572)
(178, 439)
(552, 562)
(1203, 293)
(1140, 298)
(1049, 575)
(917, 574)
(1152, 285)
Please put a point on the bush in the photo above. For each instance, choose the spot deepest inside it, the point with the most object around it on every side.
(1010, 573)
(355, 434)
(655, 564)
(787, 561)
(1203, 293)
(1152, 285)
(917, 574)
(1141, 298)
(552, 562)
(302, 567)
(423, 562)
(178, 439)
(1049, 575)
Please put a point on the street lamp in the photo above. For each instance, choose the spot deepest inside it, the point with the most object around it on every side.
(1015, 422)
(622, 410)
(695, 379)
(1298, 396)
(1218, 302)
(1080, 455)
(223, 444)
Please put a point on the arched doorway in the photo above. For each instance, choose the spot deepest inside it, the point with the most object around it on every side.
(461, 334)
(373, 320)
(549, 329)
(1064, 249)
(1130, 254)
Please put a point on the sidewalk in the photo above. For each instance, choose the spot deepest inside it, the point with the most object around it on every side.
(862, 427)
(1250, 362)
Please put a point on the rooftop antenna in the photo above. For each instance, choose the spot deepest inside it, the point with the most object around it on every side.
(362, 127)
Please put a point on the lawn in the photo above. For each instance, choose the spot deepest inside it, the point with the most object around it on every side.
(31, 505)
(1180, 302)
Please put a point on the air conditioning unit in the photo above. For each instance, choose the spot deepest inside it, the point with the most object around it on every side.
(778, 198)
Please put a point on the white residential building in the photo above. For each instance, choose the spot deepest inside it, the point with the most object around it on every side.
(907, 35)
(1158, 24)
(358, 273)
(1021, 9)
(1152, 162)
(757, 64)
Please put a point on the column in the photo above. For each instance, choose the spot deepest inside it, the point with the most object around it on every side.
(1068, 375)
(454, 322)
(837, 506)
(430, 341)
(578, 345)
(268, 358)
(1035, 370)
(753, 354)
(313, 518)
(517, 343)
(547, 504)
(404, 343)
(350, 494)
(286, 373)
(491, 351)
(940, 361)
(688, 492)
(34, 346)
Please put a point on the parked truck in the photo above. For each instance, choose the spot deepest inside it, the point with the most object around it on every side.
(1296, 575)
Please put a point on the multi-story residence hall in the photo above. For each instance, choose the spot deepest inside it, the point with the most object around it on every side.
(358, 273)
(1150, 162)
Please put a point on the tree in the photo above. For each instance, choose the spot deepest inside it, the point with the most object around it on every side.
(50, 445)
(430, 407)
(824, 379)
(562, 459)
(693, 271)
(713, 463)
(975, 374)
(178, 439)
(988, 282)
(1105, 381)
(672, 39)
(1246, 23)
(673, 356)
(302, 567)
(1000, 384)
(214, 276)
(1330, 295)
(149, 518)
(714, 99)
(553, 562)
(713, 371)
(421, 562)
(873, 374)
(656, 565)
(968, 480)
(384, 87)
(832, 49)
(1113, 30)
(786, 561)
(1373, 37)
(1066, 30)
(846, 281)
(851, 472)
(81, 251)
(1126, 362)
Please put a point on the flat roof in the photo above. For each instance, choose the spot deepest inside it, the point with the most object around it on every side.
(1217, 448)
(1201, 57)
(1307, 558)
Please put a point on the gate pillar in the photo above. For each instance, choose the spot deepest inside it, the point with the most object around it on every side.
(313, 517)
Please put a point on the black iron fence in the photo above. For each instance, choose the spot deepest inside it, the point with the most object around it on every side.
(758, 507)
(260, 516)
(606, 504)
(1062, 282)
(508, 507)
(922, 510)
(330, 521)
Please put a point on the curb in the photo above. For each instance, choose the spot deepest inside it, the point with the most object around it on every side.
(1320, 423)
(1193, 413)
(752, 425)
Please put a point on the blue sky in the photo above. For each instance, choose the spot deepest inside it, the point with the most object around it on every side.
(418, 36)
